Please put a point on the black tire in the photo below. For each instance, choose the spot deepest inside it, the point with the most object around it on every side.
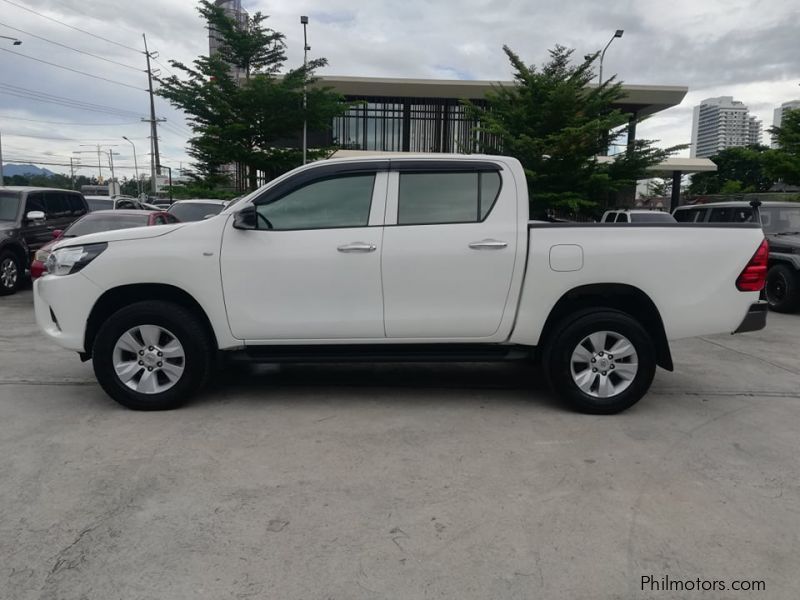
(566, 337)
(11, 273)
(782, 289)
(179, 321)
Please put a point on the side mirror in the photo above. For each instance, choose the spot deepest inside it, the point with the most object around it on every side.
(57, 233)
(246, 218)
(35, 215)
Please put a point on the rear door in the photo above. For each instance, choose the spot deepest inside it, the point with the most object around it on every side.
(449, 249)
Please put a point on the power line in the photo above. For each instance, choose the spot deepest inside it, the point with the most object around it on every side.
(71, 69)
(158, 62)
(66, 139)
(73, 49)
(30, 10)
(21, 92)
(68, 123)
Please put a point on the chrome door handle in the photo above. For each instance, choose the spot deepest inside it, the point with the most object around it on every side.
(488, 245)
(357, 247)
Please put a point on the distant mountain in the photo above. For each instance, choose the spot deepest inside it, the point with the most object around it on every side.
(11, 170)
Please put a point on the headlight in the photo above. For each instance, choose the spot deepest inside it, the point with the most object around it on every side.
(41, 255)
(66, 261)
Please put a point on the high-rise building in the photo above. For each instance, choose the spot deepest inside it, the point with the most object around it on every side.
(777, 115)
(721, 123)
(232, 8)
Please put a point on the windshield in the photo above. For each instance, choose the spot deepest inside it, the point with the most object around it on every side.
(9, 205)
(652, 217)
(780, 219)
(189, 211)
(105, 222)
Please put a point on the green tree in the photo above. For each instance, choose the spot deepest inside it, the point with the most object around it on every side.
(557, 125)
(248, 119)
(783, 163)
(743, 165)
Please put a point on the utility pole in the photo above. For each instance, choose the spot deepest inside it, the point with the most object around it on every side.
(306, 48)
(71, 173)
(155, 161)
(2, 181)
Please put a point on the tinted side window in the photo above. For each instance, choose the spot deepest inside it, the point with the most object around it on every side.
(622, 218)
(159, 220)
(56, 206)
(327, 203)
(76, 206)
(34, 202)
(721, 215)
(127, 204)
(430, 198)
(686, 216)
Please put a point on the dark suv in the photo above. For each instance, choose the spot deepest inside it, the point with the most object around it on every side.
(781, 224)
(28, 218)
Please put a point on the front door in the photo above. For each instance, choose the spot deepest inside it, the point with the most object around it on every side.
(448, 253)
(36, 233)
(311, 270)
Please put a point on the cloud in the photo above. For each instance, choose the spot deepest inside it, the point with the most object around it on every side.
(716, 47)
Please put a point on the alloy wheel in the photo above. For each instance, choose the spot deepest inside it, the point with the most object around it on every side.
(604, 364)
(149, 359)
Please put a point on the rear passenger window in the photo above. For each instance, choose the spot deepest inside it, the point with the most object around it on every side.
(431, 198)
(622, 218)
(721, 215)
(56, 206)
(76, 206)
(686, 216)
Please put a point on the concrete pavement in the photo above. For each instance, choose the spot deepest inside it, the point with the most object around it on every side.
(399, 481)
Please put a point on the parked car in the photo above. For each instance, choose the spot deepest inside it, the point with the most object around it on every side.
(417, 258)
(197, 210)
(96, 222)
(635, 215)
(28, 216)
(114, 203)
(781, 224)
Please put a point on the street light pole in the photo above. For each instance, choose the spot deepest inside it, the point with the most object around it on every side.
(2, 181)
(306, 48)
(135, 166)
(617, 34)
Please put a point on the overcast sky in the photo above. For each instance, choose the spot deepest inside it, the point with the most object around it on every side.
(744, 48)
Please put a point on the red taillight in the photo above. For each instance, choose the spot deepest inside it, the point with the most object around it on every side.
(754, 276)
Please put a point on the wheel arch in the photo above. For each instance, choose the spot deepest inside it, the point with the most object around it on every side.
(625, 298)
(121, 296)
(20, 252)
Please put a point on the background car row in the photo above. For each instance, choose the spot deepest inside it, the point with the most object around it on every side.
(33, 219)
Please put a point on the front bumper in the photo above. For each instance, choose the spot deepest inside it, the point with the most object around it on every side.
(62, 305)
(755, 319)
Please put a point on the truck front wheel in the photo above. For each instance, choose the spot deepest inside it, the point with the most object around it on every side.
(600, 362)
(151, 355)
(783, 288)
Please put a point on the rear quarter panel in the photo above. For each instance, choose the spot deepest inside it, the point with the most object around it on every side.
(688, 272)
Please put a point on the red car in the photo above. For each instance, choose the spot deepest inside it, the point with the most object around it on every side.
(102, 220)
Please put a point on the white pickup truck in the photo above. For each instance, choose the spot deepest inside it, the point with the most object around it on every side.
(415, 258)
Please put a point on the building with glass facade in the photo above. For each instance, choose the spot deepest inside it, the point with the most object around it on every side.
(426, 115)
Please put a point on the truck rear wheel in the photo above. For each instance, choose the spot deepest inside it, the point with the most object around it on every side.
(600, 362)
(151, 355)
(783, 288)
